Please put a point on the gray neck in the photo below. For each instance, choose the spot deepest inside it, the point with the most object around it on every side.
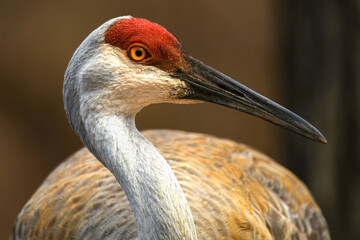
(155, 196)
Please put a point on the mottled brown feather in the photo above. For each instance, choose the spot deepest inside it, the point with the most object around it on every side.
(234, 192)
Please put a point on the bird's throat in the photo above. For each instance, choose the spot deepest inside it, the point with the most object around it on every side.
(156, 198)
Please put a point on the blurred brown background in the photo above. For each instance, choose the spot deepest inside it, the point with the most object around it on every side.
(302, 54)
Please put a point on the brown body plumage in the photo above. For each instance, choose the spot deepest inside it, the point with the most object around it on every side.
(234, 192)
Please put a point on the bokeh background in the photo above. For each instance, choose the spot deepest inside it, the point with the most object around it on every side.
(303, 54)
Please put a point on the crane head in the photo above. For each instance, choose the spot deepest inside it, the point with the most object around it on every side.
(129, 63)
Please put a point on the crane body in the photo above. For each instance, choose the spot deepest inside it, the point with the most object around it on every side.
(163, 184)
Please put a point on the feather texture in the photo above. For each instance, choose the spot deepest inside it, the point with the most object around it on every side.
(234, 192)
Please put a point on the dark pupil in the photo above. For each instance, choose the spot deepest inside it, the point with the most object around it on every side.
(138, 53)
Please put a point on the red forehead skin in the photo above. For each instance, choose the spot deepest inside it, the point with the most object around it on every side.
(165, 49)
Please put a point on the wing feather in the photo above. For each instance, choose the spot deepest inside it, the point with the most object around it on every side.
(234, 192)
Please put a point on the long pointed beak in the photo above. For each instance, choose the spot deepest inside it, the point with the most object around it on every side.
(210, 85)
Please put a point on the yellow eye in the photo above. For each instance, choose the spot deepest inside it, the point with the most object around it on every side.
(137, 53)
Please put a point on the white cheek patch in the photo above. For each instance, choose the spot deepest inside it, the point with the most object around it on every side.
(119, 83)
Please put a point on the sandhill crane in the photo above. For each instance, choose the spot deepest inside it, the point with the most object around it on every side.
(163, 184)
